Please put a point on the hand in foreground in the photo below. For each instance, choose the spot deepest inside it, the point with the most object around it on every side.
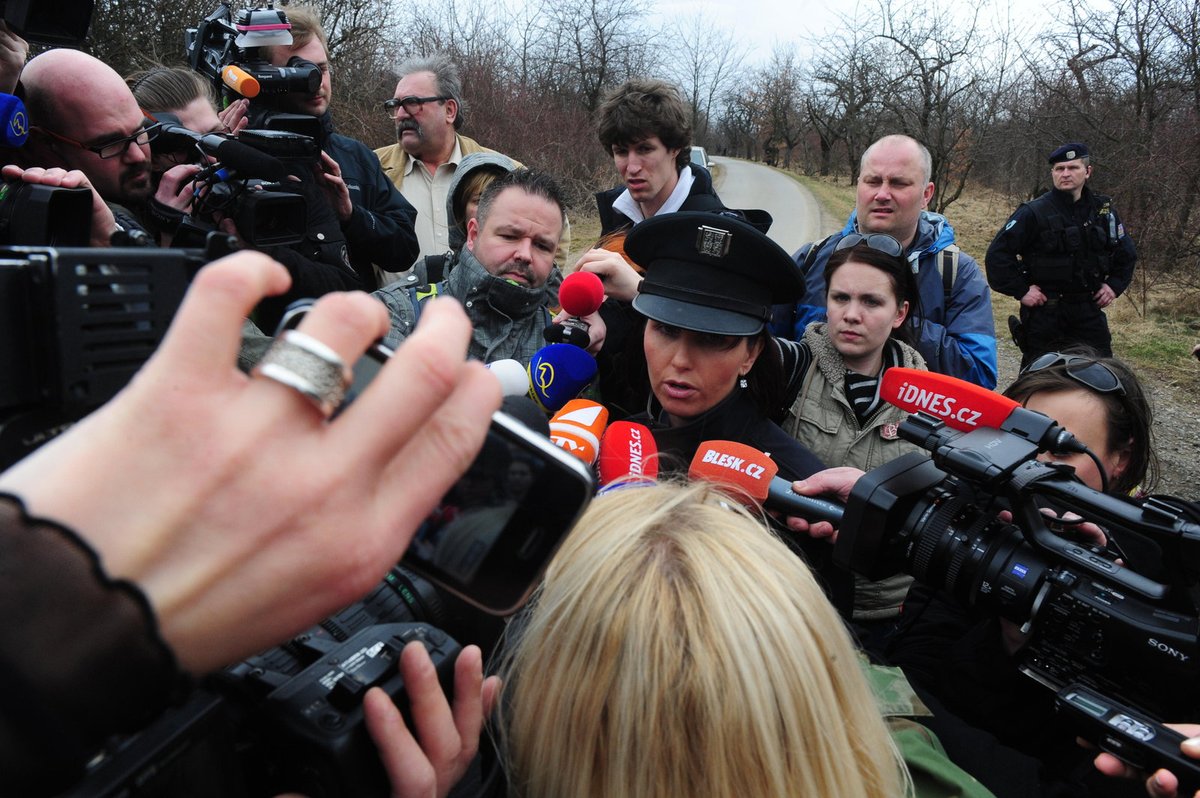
(13, 52)
(832, 481)
(597, 329)
(429, 764)
(104, 224)
(1162, 783)
(620, 280)
(1104, 296)
(242, 513)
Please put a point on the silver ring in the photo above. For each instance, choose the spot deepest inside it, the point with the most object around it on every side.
(309, 367)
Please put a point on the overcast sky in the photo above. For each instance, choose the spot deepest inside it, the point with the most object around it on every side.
(762, 24)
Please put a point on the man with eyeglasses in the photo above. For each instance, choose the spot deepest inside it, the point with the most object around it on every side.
(84, 120)
(1065, 256)
(953, 325)
(428, 111)
(376, 219)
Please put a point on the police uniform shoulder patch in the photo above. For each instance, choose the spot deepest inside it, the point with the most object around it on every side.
(1011, 223)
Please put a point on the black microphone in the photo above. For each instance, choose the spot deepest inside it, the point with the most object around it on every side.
(232, 154)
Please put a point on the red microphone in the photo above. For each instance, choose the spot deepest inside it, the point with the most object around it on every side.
(580, 294)
(965, 406)
(751, 477)
(627, 452)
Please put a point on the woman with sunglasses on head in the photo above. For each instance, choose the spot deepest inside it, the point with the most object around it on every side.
(997, 723)
(871, 293)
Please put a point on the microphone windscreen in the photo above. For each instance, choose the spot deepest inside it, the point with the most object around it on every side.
(240, 81)
(581, 293)
(246, 160)
(16, 121)
(523, 409)
(962, 405)
(558, 373)
(627, 449)
(514, 380)
(744, 469)
(578, 426)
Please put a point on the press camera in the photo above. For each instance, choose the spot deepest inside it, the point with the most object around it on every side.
(1128, 630)
(226, 50)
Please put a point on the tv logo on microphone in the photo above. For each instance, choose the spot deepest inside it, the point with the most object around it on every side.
(937, 404)
(738, 464)
(635, 453)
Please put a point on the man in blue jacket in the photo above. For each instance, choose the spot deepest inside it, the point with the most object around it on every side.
(954, 327)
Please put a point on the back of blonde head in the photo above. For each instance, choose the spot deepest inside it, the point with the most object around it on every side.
(677, 648)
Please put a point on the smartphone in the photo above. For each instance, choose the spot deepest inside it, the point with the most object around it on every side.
(491, 536)
(1128, 734)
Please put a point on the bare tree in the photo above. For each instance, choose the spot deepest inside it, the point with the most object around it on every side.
(705, 65)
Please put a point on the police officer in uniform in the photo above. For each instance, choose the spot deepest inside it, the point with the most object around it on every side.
(1066, 257)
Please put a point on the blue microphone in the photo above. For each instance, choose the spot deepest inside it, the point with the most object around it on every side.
(16, 121)
(558, 373)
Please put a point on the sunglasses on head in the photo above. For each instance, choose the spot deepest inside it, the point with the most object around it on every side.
(880, 242)
(1085, 371)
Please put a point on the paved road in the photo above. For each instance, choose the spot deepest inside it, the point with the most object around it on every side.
(745, 184)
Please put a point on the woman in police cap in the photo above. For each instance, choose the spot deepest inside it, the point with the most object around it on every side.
(708, 368)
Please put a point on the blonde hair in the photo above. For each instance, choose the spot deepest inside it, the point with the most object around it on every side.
(677, 647)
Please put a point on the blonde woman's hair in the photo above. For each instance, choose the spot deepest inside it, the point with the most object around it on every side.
(678, 648)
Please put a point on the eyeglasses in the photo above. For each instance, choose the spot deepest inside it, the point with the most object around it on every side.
(881, 242)
(410, 104)
(110, 149)
(1085, 371)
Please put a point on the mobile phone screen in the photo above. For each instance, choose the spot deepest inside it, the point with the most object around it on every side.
(493, 533)
(491, 536)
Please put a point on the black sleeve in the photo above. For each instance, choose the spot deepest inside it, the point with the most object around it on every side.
(1123, 259)
(1005, 273)
(381, 225)
(80, 655)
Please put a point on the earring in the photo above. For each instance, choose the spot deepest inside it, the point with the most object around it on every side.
(742, 382)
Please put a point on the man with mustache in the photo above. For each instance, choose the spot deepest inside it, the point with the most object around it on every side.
(501, 273)
(376, 220)
(428, 110)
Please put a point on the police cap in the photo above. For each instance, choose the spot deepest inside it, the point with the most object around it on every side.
(710, 273)
(1069, 152)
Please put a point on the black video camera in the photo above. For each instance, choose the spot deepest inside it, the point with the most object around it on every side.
(289, 719)
(249, 183)
(75, 324)
(58, 23)
(1128, 631)
(227, 52)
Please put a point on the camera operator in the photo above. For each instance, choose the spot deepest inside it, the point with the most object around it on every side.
(83, 118)
(378, 222)
(185, 524)
(963, 664)
(317, 264)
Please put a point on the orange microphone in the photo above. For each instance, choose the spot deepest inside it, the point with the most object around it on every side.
(578, 426)
(240, 81)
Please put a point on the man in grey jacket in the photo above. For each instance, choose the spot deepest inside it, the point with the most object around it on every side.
(501, 273)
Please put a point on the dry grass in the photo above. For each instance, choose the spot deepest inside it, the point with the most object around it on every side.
(1159, 342)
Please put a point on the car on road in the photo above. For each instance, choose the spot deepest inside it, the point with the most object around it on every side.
(700, 157)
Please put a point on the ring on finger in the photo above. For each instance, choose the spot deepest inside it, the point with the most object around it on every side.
(308, 367)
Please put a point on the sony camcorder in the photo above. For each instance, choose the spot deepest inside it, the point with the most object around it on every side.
(1128, 630)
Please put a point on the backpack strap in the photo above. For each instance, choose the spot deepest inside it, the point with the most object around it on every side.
(420, 294)
(948, 264)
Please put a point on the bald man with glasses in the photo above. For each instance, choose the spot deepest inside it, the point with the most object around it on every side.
(86, 130)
